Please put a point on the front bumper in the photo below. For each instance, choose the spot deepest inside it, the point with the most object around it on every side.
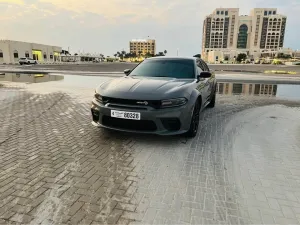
(169, 121)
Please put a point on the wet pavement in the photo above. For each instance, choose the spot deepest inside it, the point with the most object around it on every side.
(119, 67)
(56, 168)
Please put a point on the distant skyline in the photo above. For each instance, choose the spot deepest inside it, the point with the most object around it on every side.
(107, 26)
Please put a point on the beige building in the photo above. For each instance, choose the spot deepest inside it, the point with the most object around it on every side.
(142, 46)
(12, 51)
(227, 31)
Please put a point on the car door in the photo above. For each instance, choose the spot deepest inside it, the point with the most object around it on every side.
(210, 81)
(204, 81)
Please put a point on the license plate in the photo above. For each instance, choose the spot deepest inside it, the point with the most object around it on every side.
(125, 115)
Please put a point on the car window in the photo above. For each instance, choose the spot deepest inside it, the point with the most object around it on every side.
(22, 58)
(205, 65)
(199, 70)
(200, 65)
(177, 68)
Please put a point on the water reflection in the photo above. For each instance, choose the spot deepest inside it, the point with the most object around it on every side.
(256, 89)
(247, 89)
(29, 78)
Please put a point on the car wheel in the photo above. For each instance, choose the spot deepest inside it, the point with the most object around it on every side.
(195, 121)
(28, 63)
(21, 63)
(213, 100)
(35, 62)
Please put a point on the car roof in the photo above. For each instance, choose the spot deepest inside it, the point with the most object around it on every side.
(171, 58)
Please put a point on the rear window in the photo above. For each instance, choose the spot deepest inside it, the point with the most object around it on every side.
(174, 68)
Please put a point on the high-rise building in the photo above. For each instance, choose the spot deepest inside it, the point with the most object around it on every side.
(142, 46)
(227, 31)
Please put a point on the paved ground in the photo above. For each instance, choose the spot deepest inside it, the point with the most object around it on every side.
(242, 168)
(119, 67)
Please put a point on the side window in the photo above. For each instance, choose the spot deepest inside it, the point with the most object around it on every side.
(199, 68)
(205, 66)
(199, 64)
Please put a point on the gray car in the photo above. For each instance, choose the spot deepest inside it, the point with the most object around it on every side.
(161, 95)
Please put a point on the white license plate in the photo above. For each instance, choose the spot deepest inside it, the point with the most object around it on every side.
(125, 115)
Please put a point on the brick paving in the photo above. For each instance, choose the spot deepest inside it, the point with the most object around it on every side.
(55, 168)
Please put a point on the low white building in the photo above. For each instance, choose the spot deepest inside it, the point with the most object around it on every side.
(12, 51)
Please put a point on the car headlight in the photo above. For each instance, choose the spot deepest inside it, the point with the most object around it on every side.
(173, 102)
(98, 97)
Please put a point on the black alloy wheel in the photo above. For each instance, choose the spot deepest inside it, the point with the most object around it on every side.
(192, 132)
(212, 102)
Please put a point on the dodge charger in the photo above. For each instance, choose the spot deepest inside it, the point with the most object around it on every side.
(161, 95)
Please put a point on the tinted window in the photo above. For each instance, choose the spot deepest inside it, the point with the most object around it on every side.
(177, 68)
(205, 66)
(199, 64)
(199, 70)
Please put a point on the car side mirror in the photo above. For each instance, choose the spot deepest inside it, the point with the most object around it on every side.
(127, 72)
(205, 74)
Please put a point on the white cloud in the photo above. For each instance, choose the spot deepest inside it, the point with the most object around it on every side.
(18, 11)
(113, 9)
(17, 2)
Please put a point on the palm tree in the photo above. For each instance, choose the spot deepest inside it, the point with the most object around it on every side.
(140, 52)
(133, 55)
(148, 55)
(165, 52)
(115, 55)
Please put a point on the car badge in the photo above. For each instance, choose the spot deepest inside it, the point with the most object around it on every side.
(143, 103)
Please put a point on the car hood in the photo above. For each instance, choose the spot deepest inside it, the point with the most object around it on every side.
(145, 88)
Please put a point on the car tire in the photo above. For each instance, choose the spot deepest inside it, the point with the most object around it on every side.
(21, 64)
(212, 102)
(192, 132)
(35, 62)
(28, 63)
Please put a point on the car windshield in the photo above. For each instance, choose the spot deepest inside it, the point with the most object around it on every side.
(181, 68)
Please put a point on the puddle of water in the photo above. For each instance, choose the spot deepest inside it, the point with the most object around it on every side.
(29, 78)
(85, 81)
(286, 91)
(66, 80)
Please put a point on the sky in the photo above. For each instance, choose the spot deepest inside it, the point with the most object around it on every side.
(107, 26)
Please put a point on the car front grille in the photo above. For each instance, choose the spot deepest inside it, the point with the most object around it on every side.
(130, 102)
(134, 125)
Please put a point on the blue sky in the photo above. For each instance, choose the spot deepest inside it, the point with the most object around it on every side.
(106, 26)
